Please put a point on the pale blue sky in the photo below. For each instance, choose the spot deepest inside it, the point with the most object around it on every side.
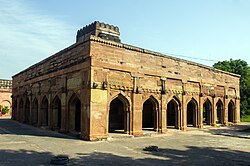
(215, 30)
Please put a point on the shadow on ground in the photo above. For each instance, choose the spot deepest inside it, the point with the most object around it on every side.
(8, 126)
(190, 156)
(241, 131)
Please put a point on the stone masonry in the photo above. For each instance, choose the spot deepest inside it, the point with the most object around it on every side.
(5, 94)
(99, 85)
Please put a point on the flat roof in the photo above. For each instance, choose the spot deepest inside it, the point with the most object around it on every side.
(129, 47)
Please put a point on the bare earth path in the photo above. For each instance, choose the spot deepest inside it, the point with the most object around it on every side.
(26, 145)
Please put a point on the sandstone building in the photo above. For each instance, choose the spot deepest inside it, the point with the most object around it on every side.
(99, 85)
(5, 94)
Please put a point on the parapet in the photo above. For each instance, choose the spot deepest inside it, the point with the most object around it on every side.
(99, 29)
(5, 84)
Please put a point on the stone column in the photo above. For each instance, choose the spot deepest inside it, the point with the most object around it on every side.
(200, 113)
(64, 106)
(17, 110)
(136, 114)
(237, 111)
(163, 114)
(225, 111)
(63, 112)
(50, 112)
(184, 113)
(31, 113)
(39, 120)
(214, 112)
(137, 106)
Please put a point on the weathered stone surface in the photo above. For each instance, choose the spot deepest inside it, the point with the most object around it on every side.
(102, 83)
(5, 94)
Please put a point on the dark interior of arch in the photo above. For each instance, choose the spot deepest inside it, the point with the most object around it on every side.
(148, 115)
(116, 116)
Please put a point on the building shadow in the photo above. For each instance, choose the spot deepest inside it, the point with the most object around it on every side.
(203, 156)
(241, 131)
(8, 126)
(190, 156)
(24, 157)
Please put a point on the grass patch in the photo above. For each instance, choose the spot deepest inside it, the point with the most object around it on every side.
(245, 118)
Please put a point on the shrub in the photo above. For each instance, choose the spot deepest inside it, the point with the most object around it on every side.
(5, 110)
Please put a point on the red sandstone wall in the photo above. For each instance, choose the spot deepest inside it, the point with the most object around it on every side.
(5, 99)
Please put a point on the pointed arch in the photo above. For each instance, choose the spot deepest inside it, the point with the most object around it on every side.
(56, 113)
(74, 114)
(44, 111)
(192, 113)
(119, 114)
(207, 112)
(231, 110)
(35, 111)
(27, 111)
(150, 114)
(173, 112)
(122, 96)
(219, 111)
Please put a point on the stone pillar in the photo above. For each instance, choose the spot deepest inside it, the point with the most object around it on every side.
(137, 107)
(163, 114)
(184, 113)
(214, 112)
(50, 112)
(237, 111)
(39, 120)
(225, 111)
(31, 113)
(13, 114)
(17, 110)
(200, 113)
(63, 112)
(96, 114)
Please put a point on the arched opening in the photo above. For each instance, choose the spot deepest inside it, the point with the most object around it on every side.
(35, 111)
(119, 115)
(231, 111)
(27, 111)
(173, 114)
(44, 112)
(74, 114)
(192, 113)
(20, 111)
(56, 113)
(78, 116)
(149, 115)
(219, 110)
(207, 113)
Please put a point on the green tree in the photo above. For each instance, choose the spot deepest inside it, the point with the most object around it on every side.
(239, 67)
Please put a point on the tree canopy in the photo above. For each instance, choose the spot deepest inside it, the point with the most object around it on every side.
(239, 67)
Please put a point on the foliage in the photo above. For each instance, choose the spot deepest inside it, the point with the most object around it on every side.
(245, 118)
(5, 110)
(239, 67)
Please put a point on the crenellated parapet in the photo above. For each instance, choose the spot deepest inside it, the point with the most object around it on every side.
(99, 29)
(5, 84)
